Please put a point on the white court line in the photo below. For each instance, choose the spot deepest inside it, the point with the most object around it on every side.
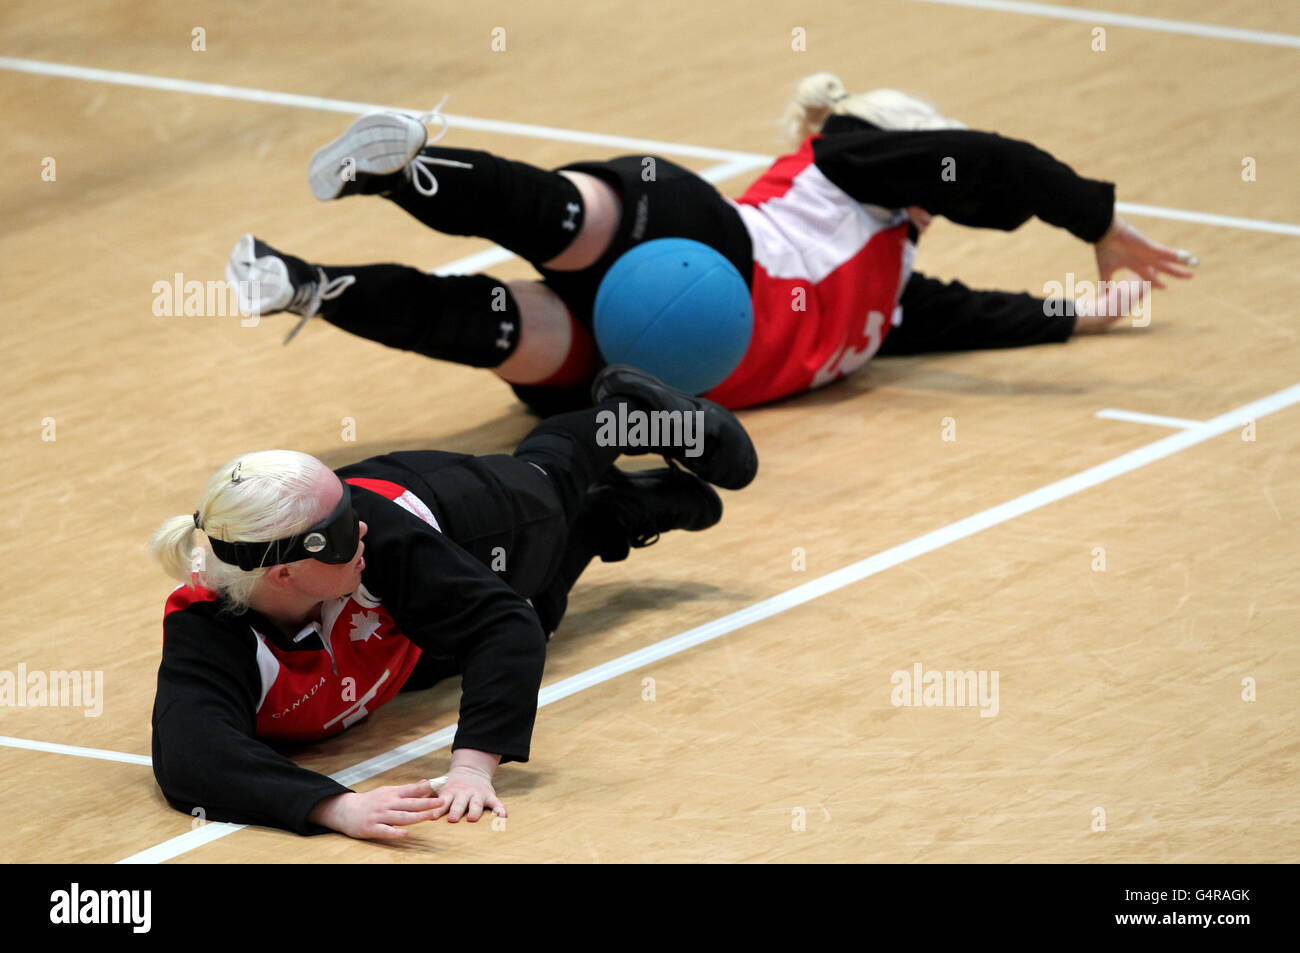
(479, 261)
(1139, 418)
(856, 572)
(223, 91)
(102, 753)
(737, 162)
(1209, 218)
(1127, 19)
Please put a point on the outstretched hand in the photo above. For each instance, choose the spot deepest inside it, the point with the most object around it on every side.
(1123, 246)
(382, 813)
(467, 792)
(1095, 313)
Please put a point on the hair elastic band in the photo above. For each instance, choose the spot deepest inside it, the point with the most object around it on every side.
(198, 524)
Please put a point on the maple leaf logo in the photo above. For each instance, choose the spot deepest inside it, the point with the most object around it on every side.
(364, 625)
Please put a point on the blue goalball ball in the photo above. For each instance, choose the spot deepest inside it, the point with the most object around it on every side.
(677, 309)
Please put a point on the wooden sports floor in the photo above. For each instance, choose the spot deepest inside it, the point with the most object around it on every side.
(1140, 610)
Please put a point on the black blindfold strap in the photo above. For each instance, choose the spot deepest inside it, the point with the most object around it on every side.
(258, 555)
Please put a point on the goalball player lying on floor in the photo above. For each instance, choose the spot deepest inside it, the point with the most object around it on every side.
(325, 593)
(824, 241)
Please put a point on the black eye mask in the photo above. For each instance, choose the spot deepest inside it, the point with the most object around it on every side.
(333, 540)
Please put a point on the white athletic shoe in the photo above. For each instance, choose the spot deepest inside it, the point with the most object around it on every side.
(377, 144)
(267, 281)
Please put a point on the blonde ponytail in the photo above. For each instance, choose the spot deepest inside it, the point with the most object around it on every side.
(175, 547)
(254, 497)
(814, 101)
(822, 95)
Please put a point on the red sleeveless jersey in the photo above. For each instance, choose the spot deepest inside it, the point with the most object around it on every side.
(828, 272)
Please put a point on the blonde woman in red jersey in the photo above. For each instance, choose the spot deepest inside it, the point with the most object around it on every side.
(833, 226)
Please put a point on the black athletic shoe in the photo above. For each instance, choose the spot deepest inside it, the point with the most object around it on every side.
(645, 503)
(727, 457)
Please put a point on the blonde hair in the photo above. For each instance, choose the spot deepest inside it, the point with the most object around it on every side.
(822, 95)
(254, 497)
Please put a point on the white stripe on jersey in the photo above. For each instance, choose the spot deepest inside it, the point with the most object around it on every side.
(813, 228)
(413, 504)
(268, 667)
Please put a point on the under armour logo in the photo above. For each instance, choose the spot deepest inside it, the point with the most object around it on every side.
(571, 223)
(507, 327)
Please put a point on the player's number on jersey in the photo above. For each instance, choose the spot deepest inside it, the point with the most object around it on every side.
(854, 353)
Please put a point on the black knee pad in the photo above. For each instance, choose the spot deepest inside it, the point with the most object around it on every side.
(474, 320)
(534, 213)
(468, 319)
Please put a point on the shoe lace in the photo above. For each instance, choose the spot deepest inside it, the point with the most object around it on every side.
(308, 297)
(422, 177)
